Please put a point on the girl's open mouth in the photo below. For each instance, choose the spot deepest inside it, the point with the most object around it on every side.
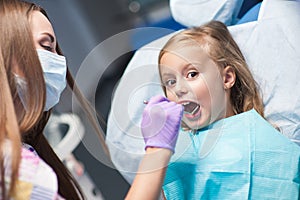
(191, 109)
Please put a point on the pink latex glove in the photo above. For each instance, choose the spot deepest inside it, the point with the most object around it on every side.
(161, 122)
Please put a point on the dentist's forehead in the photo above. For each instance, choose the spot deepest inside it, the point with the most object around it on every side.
(41, 25)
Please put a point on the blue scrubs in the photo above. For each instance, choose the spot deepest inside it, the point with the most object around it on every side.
(240, 157)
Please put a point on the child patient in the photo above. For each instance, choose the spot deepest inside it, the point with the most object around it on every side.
(231, 151)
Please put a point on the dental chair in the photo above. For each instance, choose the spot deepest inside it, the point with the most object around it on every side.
(64, 132)
(271, 46)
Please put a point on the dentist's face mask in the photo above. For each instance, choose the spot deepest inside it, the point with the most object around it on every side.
(55, 68)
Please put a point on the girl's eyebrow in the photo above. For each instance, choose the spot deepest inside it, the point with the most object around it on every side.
(167, 74)
(194, 65)
(190, 66)
(186, 67)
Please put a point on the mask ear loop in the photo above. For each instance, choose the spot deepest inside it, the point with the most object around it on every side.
(21, 86)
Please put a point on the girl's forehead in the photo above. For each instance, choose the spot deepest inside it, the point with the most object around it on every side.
(187, 55)
(172, 63)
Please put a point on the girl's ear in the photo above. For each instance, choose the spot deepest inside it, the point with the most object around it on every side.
(228, 77)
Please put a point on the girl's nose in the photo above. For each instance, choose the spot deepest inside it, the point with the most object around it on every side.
(181, 88)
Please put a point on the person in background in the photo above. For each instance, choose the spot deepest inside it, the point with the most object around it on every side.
(33, 75)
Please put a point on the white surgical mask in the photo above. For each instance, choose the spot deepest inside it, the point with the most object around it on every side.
(55, 68)
(196, 12)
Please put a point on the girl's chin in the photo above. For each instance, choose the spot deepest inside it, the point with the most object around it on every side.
(202, 121)
(195, 125)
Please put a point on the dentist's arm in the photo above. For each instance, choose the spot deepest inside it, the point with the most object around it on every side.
(160, 127)
(148, 182)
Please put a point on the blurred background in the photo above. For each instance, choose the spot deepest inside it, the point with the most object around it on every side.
(80, 27)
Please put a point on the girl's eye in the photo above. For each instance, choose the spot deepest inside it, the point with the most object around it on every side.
(192, 74)
(170, 83)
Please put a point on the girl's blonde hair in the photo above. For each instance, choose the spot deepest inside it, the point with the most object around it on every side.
(215, 39)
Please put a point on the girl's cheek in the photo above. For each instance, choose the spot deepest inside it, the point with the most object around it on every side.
(171, 95)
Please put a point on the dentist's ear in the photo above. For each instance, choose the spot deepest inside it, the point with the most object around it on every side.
(228, 77)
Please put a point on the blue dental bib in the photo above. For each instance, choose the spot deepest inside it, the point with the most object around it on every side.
(240, 157)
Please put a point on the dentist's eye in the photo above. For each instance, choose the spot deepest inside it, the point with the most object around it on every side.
(47, 42)
(48, 48)
(192, 74)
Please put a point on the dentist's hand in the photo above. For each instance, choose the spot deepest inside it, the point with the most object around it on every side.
(161, 122)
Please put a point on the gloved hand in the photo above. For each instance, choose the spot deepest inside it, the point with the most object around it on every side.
(161, 122)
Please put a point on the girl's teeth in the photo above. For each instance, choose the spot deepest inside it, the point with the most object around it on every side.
(195, 109)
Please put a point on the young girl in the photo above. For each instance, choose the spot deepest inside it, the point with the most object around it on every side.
(231, 151)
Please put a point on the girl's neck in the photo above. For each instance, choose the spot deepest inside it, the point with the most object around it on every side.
(229, 113)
